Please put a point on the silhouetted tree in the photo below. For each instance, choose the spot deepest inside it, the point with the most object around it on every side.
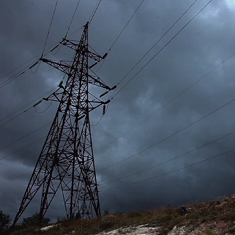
(34, 220)
(4, 220)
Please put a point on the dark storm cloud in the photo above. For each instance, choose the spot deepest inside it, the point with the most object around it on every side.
(147, 112)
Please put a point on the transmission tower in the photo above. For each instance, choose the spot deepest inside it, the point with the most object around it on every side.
(66, 161)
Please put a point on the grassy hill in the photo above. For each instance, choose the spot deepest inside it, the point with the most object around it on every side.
(216, 217)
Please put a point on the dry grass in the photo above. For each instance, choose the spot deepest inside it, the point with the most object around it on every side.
(204, 215)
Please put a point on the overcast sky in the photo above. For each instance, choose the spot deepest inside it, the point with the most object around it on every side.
(178, 104)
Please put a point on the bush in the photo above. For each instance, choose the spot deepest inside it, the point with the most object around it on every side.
(4, 221)
(34, 220)
(106, 212)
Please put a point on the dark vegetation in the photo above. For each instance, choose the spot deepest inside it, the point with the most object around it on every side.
(33, 220)
(4, 221)
(216, 217)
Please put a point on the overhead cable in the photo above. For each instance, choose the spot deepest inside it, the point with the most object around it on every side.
(16, 69)
(22, 71)
(53, 14)
(154, 166)
(15, 141)
(170, 101)
(28, 67)
(23, 108)
(25, 69)
(158, 40)
(73, 17)
(170, 160)
(126, 25)
(22, 148)
(168, 137)
(162, 48)
(152, 46)
(15, 116)
(170, 172)
(95, 10)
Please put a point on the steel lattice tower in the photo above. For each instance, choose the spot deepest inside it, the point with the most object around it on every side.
(66, 161)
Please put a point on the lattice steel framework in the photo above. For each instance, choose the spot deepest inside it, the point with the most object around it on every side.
(66, 161)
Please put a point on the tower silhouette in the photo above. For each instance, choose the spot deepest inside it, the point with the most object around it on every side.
(66, 161)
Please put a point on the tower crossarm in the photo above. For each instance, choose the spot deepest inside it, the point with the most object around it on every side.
(81, 49)
(98, 82)
(95, 56)
(62, 66)
(55, 96)
(96, 104)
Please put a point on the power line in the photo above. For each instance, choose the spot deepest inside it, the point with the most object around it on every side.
(122, 31)
(22, 148)
(148, 116)
(44, 109)
(162, 48)
(17, 68)
(126, 25)
(53, 14)
(95, 10)
(15, 116)
(170, 101)
(175, 133)
(7, 145)
(112, 96)
(22, 71)
(73, 17)
(28, 67)
(156, 55)
(23, 108)
(168, 137)
(172, 159)
(169, 172)
(158, 40)
(25, 69)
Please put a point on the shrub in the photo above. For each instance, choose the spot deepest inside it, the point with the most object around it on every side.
(4, 220)
(106, 212)
(34, 220)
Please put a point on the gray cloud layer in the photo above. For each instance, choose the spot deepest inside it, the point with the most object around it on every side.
(154, 107)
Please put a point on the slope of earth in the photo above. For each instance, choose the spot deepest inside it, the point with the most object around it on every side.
(216, 217)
